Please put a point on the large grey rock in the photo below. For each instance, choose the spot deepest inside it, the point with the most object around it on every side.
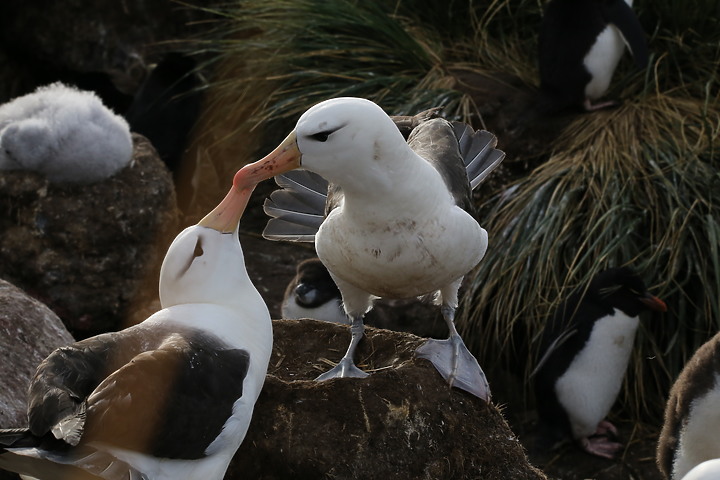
(401, 422)
(29, 331)
(92, 253)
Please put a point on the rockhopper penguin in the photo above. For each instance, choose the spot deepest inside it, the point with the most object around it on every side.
(585, 349)
(580, 45)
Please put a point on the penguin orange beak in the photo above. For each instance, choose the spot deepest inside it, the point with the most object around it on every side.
(285, 157)
(653, 303)
(225, 218)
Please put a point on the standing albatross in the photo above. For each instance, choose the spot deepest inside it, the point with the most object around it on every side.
(398, 218)
(168, 399)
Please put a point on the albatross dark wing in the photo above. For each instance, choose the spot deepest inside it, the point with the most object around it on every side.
(188, 384)
(68, 375)
(436, 142)
(139, 393)
(464, 157)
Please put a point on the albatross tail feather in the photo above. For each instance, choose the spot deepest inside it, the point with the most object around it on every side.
(298, 209)
(478, 152)
(23, 453)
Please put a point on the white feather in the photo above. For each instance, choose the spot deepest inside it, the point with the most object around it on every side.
(601, 61)
(708, 470)
(589, 387)
(330, 311)
(698, 440)
(65, 134)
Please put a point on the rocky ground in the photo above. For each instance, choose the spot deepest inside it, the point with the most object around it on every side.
(63, 44)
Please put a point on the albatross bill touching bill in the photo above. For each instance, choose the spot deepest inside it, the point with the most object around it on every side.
(398, 219)
(169, 398)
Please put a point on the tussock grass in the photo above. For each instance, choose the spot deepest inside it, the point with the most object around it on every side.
(633, 186)
(270, 60)
(312, 50)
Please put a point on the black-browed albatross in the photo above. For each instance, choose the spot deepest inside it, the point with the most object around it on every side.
(168, 399)
(397, 221)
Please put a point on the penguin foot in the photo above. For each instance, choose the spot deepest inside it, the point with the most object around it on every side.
(590, 107)
(606, 429)
(600, 446)
(345, 369)
(456, 364)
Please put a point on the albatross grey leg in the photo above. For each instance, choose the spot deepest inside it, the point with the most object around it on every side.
(454, 361)
(346, 367)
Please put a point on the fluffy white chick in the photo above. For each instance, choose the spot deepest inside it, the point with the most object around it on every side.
(64, 133)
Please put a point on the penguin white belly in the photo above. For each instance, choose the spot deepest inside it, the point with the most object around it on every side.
(592, 382)
(330, 311)
(708, 470)
(401, 258)
(601, 61)
(698, 440)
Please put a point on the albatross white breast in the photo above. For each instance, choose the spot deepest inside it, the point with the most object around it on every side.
(398, 218)
(170, 398)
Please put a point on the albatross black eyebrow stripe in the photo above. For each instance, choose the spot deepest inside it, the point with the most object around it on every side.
(322, 135)
(198, 246)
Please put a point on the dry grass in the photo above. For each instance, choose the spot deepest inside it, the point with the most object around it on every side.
(633, 186)
(636, 185)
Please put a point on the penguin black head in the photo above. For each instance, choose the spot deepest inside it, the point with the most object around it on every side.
(313, 285)
(623, 289)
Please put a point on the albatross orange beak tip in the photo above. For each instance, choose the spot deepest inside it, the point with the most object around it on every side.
(285, 157)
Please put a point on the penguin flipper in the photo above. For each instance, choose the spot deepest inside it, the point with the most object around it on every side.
(623, 17)
(565, 336)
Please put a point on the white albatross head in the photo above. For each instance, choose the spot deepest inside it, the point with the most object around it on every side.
(205, 263)
(349, 141)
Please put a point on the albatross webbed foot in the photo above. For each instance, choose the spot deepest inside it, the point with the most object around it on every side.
(346, 367)
(456, 364)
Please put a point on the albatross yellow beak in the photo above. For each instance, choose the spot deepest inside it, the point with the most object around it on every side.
(285, 157)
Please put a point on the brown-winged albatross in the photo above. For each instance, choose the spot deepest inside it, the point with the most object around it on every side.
(168, 399)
